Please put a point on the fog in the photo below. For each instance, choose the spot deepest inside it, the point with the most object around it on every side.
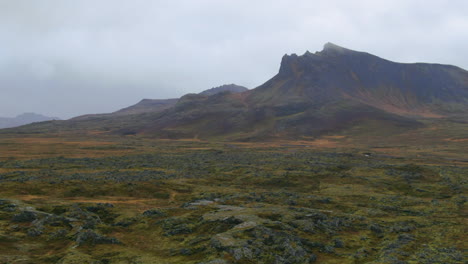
(66, 58)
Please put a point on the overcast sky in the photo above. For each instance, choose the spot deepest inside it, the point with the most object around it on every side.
(66, 57)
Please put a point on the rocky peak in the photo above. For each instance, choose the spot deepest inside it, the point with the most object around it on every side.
(291, 64)
(287, 64)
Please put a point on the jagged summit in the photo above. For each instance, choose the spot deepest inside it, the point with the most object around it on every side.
(327, 48)
(296, 63)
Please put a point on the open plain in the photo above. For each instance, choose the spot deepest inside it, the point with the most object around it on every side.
(335, 199)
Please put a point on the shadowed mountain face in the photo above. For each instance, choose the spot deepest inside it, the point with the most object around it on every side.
(312, 94)
(23, 119)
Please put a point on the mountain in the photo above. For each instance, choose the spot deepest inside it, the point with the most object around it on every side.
(325, 92)
(337, 73)
(23, 119)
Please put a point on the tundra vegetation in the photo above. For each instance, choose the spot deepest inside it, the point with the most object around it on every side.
(67, 199)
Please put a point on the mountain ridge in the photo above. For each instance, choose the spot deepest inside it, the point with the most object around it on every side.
(321, 92)
(313, 94)
(336, 72)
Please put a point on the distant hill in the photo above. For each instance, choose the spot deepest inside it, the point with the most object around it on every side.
(23, 119)
(319, 93)
(158, 105)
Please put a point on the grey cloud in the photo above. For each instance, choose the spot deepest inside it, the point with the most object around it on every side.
(65, 58)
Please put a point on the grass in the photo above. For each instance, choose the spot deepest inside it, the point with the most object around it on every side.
(339, 202)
